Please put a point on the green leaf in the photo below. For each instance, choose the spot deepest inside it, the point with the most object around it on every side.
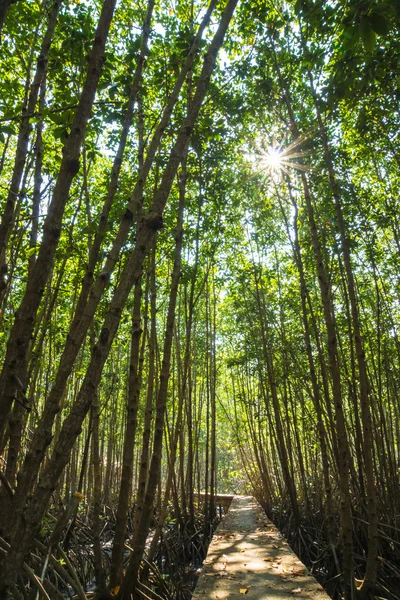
(7, 129)
(367, 35)
(386, 8)
(58, 118)
(298, 7)
(379, 24)
(60, 133)
(30, 252)
(351, 35)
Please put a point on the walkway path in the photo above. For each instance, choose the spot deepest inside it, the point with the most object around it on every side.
(248, 558)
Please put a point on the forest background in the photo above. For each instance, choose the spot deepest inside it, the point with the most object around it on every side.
(199, 292)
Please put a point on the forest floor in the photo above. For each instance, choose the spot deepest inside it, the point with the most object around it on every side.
(249, 557)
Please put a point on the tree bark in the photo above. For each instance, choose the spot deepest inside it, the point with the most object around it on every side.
(27, 518)
(7, 219)
(365, 396)
(86, 309)
(140, 534)
(13, 375)
(125, 490)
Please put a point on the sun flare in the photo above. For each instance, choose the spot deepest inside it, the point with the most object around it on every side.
(273, 159)
(277, 160)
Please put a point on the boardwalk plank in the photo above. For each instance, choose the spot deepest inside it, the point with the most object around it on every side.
(248, 558)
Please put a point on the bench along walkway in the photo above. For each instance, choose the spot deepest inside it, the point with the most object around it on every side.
(248, 558)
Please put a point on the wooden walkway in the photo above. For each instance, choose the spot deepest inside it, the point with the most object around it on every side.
(249, 558)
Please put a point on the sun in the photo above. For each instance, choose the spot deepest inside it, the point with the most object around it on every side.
(277, 160)
(273, 159)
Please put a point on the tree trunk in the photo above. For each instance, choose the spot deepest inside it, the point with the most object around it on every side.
(141, 532)
(365, 398)
(23, 141)
(125, 490)
(27, 519)
(13, 375)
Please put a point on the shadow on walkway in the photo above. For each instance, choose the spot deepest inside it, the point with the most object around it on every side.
(248, 558)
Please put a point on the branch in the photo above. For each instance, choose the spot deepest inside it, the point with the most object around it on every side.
(6, 484)
(54, 111)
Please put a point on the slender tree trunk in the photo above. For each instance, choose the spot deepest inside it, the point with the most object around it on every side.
(13, 375)
(125, 490)
(148, 414)
(316, 397)
(277, 412)
(213, 386)
(324, 285)
(27, 519)
(140, 534)
(98, 562)
(23, 141)
(365, 398)
(19, 414)
(85, 312)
